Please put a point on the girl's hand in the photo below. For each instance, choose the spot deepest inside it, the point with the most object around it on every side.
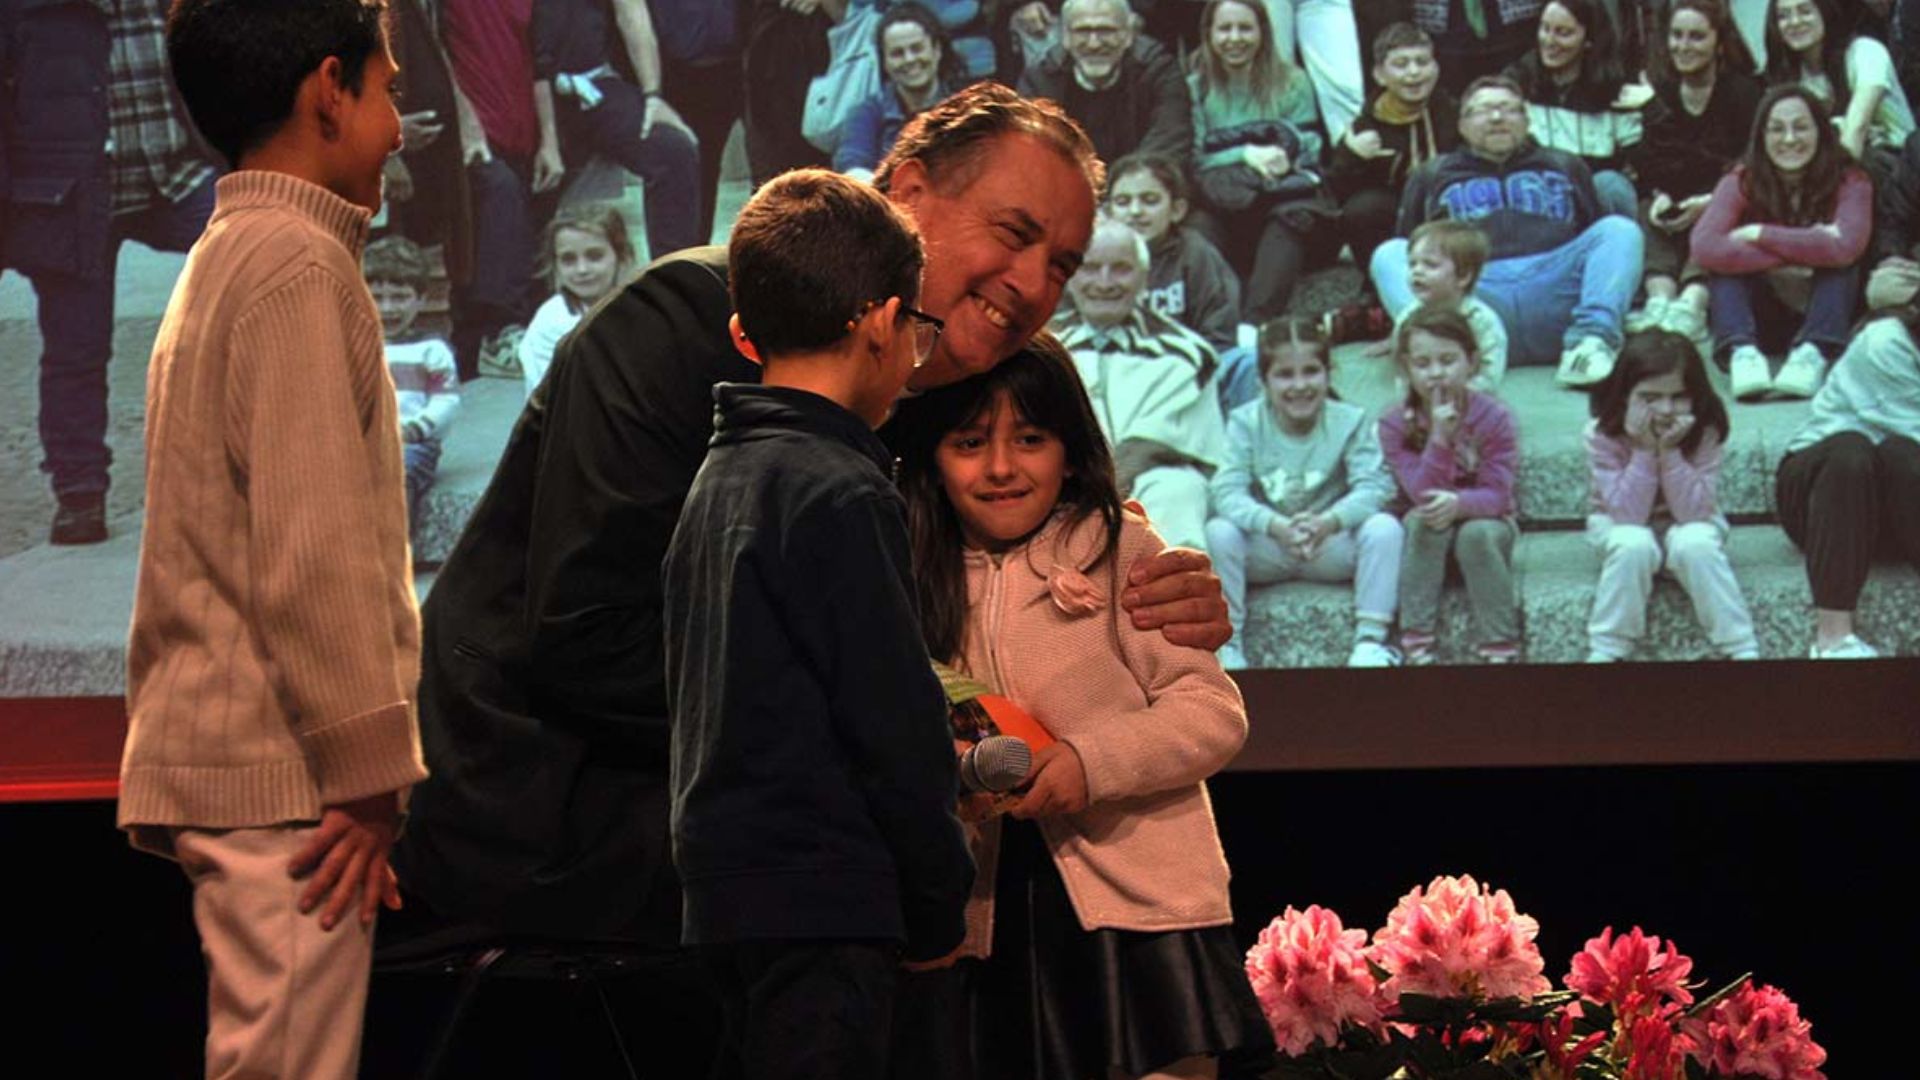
(1440, 510)
(1269, 161)
(1745, 234)
(1057, 784)
(1312, 532)
(1675, 429)
(1444, 414)
(1639, 424)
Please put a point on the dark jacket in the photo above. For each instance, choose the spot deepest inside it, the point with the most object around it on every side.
(1683, 154)
(1533, 202)
(1896, 220)
(1146, 110)
(543, 707)
(54, 169)
(1435, 133)
(814, 778)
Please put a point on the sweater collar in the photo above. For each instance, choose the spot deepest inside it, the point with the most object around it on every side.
(260, 188)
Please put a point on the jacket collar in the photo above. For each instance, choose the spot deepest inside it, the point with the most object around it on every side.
(744, 411)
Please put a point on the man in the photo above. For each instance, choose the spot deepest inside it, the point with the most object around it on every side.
(543, 702)
(101, 152)
(1562, 274)
(1126, 91)
(1151, 381)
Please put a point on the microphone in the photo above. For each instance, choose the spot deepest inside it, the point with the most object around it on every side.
(995, 765)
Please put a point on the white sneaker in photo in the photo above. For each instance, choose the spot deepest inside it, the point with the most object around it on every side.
(1688, 321)
(1369, 653)
(1748, 371)
(1847, 648)
(1586, 363)
(1802, 374)
(1654, 314)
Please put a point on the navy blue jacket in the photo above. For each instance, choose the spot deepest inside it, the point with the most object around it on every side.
(55, 194)
(1531, 203)
(813, 769)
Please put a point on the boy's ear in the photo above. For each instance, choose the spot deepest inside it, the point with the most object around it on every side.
(324, 93)
(880, 324)
(740, 341)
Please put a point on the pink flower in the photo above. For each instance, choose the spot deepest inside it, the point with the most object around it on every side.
(1454, 939)
(1311, 978)
(1631, 973)
(1654, 1052)
(1755, 1031)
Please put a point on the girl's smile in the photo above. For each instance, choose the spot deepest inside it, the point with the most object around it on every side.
(1002, 475)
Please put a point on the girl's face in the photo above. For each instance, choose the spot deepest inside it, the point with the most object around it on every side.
(1297, 387)
(1800, 23)
(1002, 474)
(1234, 35)
(1691, 42)
(585, 263)
(1791, 137)
(1435, 365)
(1562, 39)
(1142, 201)
(910, 56)
(1664, 397)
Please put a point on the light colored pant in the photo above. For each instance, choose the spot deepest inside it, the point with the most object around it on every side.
(1694, 553)
(1483, 548)
(1175, 497)
(284, 997)
(1328, 46)
(1368, 556)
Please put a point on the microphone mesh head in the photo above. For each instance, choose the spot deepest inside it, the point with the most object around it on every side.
(997, 764)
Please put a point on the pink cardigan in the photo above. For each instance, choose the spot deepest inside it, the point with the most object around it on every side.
(1629, 483)
(1149, 720)
(1817, 246)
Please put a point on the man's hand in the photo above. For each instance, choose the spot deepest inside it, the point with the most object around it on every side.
(1176, 593)
(548, 169)
(1056, 785)
(346, 862)
(419, 129)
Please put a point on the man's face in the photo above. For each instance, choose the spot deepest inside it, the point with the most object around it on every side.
(1097, 35)
(1110, 281)
(369, 132)
(999, 251)
(1493, 122)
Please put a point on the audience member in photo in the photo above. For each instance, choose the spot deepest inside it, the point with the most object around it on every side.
(1324, 37)
(1453, 452)
(1579, 99)
(425, 380)
(1410, 123)
(601, 113)
(1794, 218)
(1561, 273)
(783, 46)
(964, 24)
(510, 145)
(1189, 281)
(1851, 74)
(1124, 89)
(1151, 381)
(700, 72)
(1697, 125)
(587, 255)
(90, 81)
(1445, 260)
(1472, 40)
(918, 66)
(427, 200)
(1302, 493)
(1896, 214)
(1848, 488)
(1259, 147)
(1655, 448)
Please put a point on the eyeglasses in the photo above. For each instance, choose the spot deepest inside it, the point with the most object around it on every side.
(1087, 35)
(926, 329)
(1488, 112)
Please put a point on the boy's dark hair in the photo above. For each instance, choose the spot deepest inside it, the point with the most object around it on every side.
(1164, 168)
(951, 138)
(810, 251)
(1650, 354)
(1297, 331)
(398, 259)
(1461, 241)
(1046, 390)
(1400, 35)
(240, 63)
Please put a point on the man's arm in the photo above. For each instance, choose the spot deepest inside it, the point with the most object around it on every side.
(643, 51)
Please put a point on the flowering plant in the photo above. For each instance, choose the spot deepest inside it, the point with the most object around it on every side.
(1453, 986)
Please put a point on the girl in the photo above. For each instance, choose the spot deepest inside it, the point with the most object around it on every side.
(1795, 211)
(1301, 495)
(1105, 898)
(1808, 44)
(1578, 97)
(1258, 155)
(1851, 475)
(1705, 97)
(918, 66)
(1452, 450)
(1654, 445)
(587, 253)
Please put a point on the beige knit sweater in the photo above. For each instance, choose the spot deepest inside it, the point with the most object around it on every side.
(1149, 720)
(275, 645)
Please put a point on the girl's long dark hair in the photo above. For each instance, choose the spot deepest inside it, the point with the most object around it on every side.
(1602, 69)
(1783, 64)
(1769, 198)
(1043, 387)
(1650, 354)
(1730, 53)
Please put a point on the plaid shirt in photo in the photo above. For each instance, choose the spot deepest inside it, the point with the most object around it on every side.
(154, 151)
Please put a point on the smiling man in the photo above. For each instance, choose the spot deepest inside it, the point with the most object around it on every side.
(1125, 90)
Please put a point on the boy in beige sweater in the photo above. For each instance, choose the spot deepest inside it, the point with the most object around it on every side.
(275, 644)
